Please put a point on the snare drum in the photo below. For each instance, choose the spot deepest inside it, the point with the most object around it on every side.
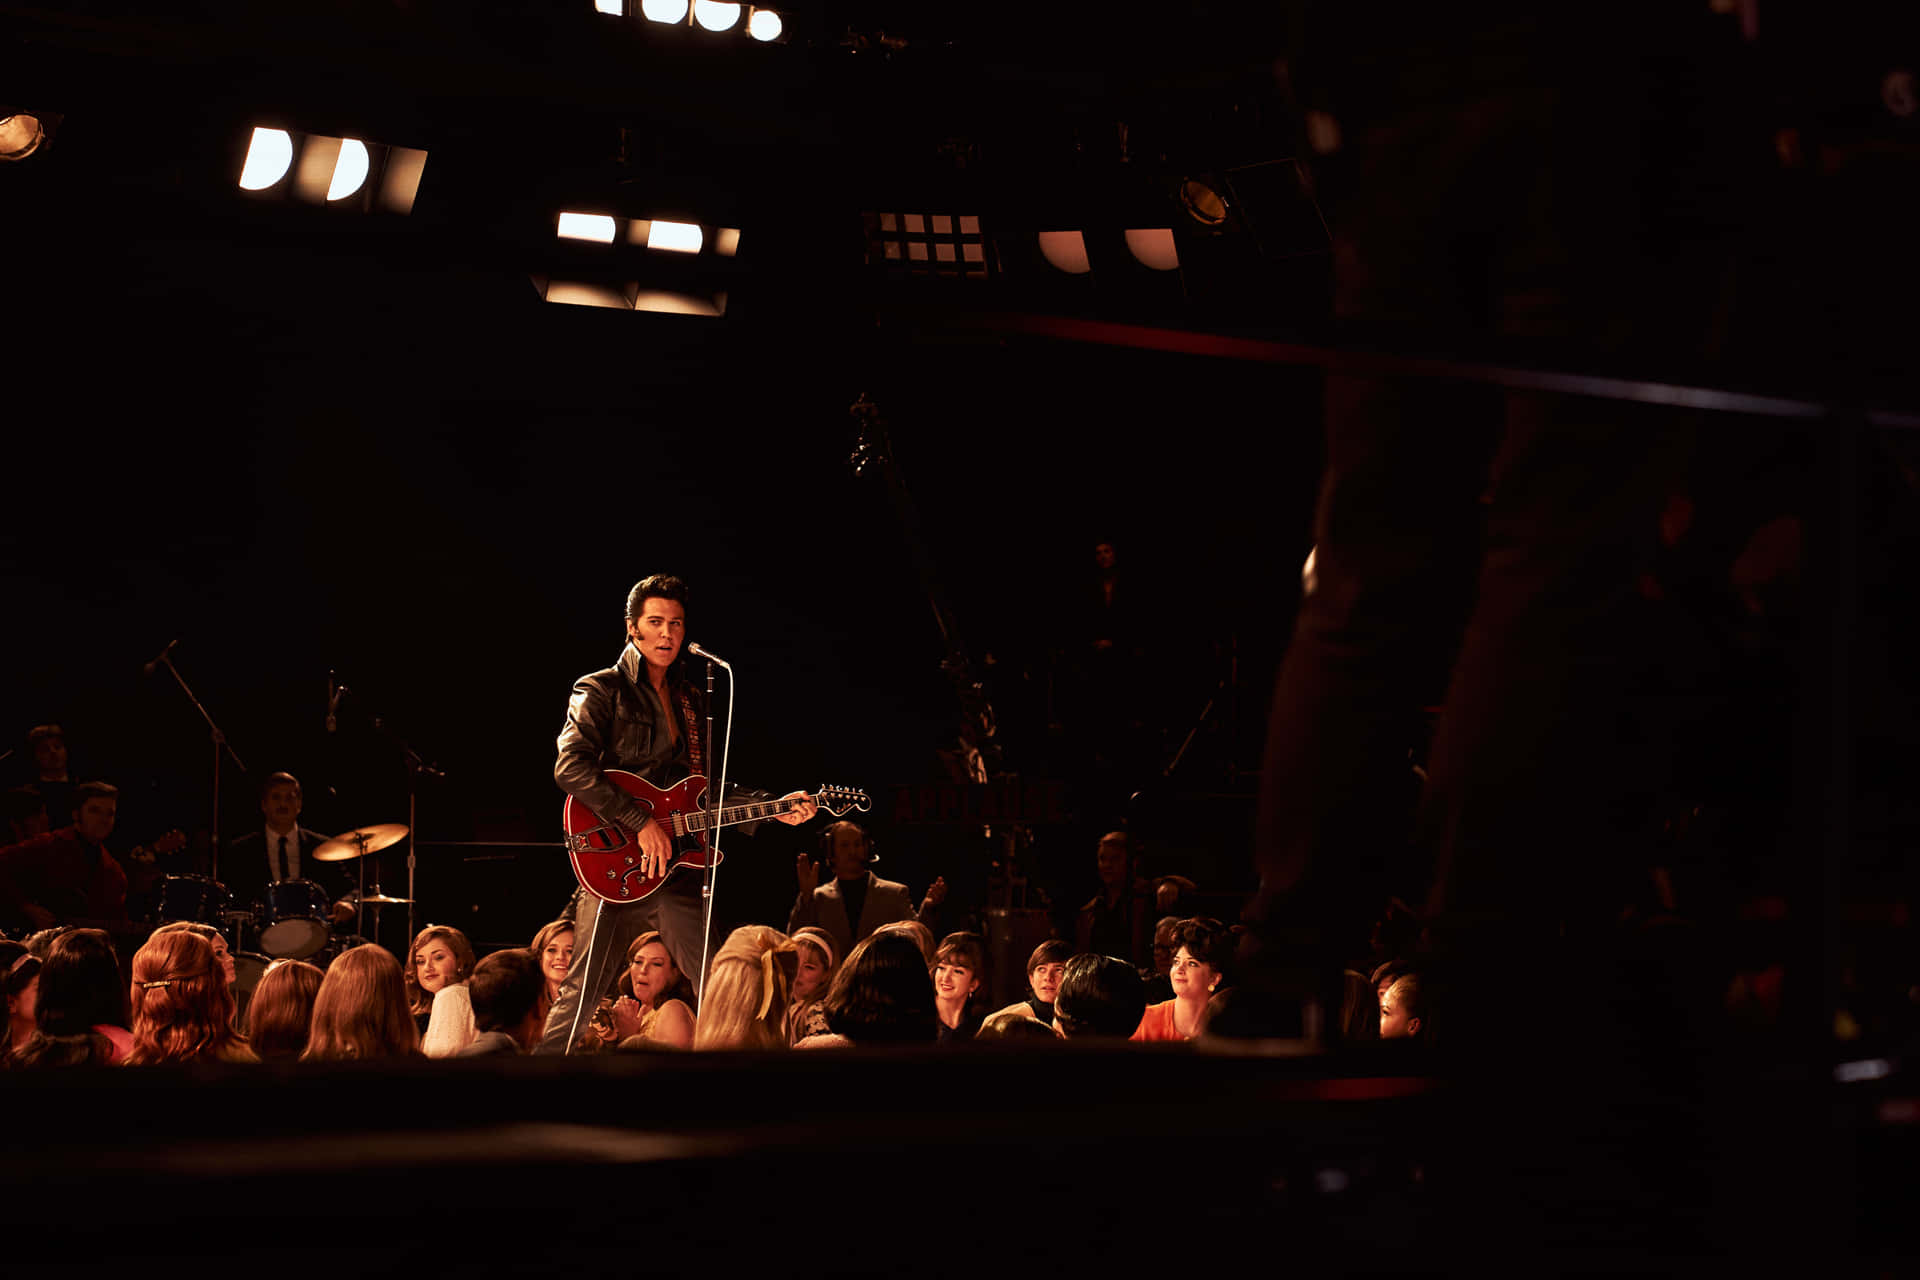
(293, 919)
(197, 898)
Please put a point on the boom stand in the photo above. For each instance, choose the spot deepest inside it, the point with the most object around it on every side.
(220, 744)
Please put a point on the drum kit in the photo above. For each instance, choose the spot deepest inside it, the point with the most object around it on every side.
(292, 919)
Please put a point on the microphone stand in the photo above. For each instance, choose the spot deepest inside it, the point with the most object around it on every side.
(416, 767)
(716, 800)
(220, 744)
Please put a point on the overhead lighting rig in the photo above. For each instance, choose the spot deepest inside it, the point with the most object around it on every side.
(717, 16)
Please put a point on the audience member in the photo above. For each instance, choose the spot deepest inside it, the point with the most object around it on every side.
(439, 957)
(21, 982)
(222, 954)
(1045, 967)
(1100, 997)
(1360, 1013)
(921, 936)
(553, 948)
(80, 1009)
(959, 976)
(813, 972)
(654, 1006)
(506, 989)
(744, 1005)
(1202, 948)
(1160, 981)
(182, 1004)
(361, 1010)
(855, 902)
(1402, 1014)
(883, 994)
(1114, 921)
(280, 1015)
(1015, 1023)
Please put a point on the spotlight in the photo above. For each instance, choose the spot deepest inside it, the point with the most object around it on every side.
(674, 237)
(613, 8)
(350, 170)
(586, 226)
(269, 156)
(716, 15)
(1153, 247)
(1203, 204)
(1066, 250)
(21, 134)
(764, 25)
(664, 10)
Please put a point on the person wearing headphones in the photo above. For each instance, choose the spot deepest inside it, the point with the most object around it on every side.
(855, 902)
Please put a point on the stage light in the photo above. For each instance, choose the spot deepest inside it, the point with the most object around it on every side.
(20, 136)
(716, 15)
(613, 8)
(674, 237)
(664, 10)
(764, 25)
(665, 303)
(1203, 204)
(401, 181)
(1153, 247)
(617, 295)
(269, 156)
(1066, 250)
(726, 241)
(586, 226)
(350, 171)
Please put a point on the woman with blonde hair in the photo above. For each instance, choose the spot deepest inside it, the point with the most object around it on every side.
(280, 1014)
(655, 997)
(361, 1010)
(744, 1005)
(813, 972)
(182, 1005)
(439, 958)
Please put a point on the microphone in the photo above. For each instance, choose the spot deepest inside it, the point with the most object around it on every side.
(158, 658)
(716, 660)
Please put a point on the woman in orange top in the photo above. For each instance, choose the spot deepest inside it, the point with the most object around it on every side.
(1201, 946)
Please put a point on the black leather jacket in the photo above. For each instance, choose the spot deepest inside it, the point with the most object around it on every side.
(614, 721)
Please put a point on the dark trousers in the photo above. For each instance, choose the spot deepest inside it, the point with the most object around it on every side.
(602, 932)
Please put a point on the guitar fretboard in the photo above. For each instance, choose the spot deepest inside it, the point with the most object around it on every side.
(731, 814)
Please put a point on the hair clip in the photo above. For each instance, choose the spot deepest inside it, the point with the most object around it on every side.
(164, 982)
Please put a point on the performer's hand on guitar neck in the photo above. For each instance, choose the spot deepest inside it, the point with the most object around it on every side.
(801, 812)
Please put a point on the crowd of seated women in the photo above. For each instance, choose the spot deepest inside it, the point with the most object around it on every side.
(69, 1002)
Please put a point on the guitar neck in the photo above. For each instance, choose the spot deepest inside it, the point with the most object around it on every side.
(729, 815)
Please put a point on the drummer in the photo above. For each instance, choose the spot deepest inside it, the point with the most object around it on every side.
(282, 850)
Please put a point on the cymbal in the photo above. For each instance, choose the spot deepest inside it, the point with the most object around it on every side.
(382, 900)
(362, 840)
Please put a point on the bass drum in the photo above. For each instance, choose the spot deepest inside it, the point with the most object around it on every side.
(198, 898)
(292, 919)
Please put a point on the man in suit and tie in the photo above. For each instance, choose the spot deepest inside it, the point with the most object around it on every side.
(855, 902)
(282, 850)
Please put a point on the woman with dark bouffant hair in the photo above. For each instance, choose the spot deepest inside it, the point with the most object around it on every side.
(745, 1003)
(182, 1005)
(883, 994)
(280, 1015)
(959, 976)
(361, 1010)
(80, 1008)
(1202, 948)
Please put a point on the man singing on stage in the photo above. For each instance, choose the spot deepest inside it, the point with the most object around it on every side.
(642, 716)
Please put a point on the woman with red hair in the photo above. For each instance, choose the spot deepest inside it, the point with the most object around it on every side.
(280, 1015)
(361, 1010)
(182, 1006)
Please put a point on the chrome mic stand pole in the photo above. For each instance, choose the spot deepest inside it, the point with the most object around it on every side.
(715, 801)
(220, 744)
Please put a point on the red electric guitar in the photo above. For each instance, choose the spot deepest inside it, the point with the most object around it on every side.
(606, 860)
